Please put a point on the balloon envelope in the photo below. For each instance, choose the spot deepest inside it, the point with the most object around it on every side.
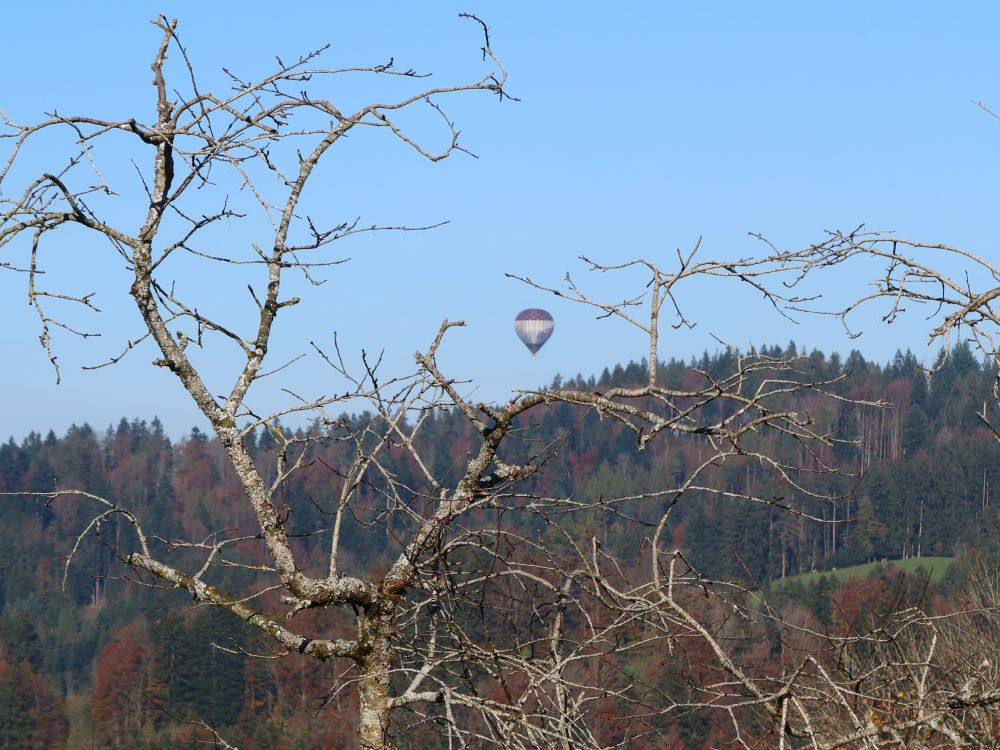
(533, 327)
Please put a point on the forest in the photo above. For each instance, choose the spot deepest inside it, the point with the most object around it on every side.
(93, 656)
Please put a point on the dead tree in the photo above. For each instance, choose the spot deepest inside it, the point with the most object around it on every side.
(490, 634)
(955, 287)
(910, 677)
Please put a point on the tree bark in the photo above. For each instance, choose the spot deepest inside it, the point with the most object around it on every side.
(375, 628)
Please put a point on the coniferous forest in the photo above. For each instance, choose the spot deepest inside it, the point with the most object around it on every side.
(92, 656)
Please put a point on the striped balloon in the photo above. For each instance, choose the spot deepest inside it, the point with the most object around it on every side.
(533, 327)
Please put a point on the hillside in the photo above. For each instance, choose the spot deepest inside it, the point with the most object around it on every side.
(916, 484)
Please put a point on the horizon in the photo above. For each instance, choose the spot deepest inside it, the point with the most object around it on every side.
(691, 362)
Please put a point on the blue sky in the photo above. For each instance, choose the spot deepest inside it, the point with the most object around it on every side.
(639, 130)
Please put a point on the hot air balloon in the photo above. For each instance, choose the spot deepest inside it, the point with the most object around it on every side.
(533, 327)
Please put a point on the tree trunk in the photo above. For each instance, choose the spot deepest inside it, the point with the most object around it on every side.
(374, 631)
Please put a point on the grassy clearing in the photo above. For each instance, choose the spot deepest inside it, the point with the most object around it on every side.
(935, 566)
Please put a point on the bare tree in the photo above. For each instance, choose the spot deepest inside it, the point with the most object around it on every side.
(955, 287)
(494, 619)
(914, 677)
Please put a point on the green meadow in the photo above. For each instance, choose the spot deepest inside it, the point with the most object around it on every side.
(936, 567)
